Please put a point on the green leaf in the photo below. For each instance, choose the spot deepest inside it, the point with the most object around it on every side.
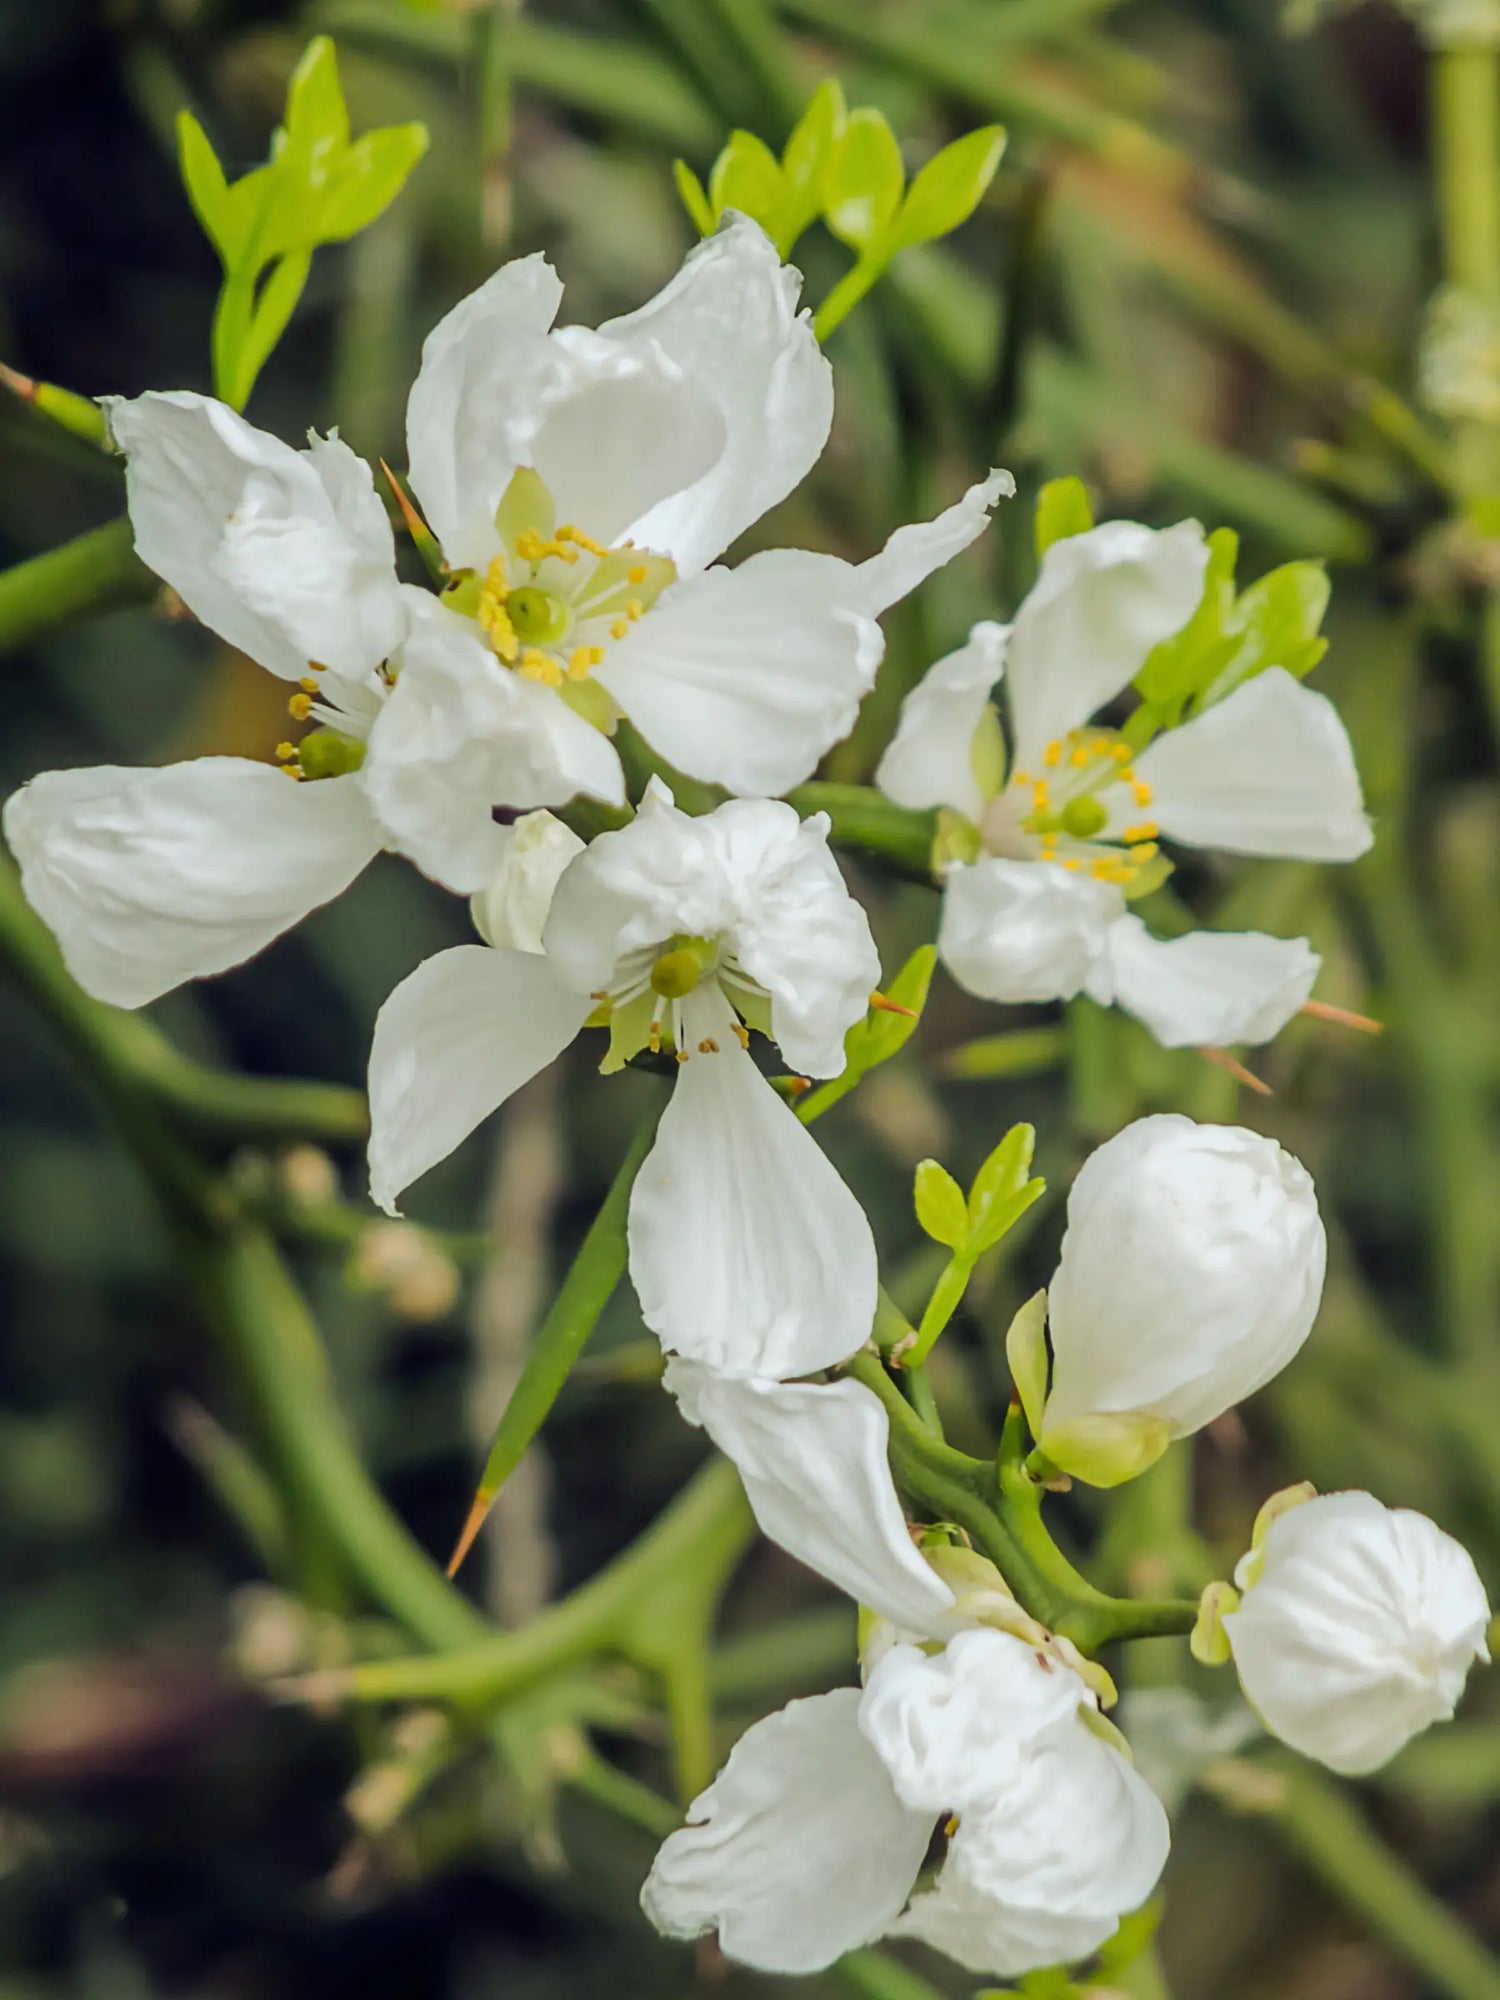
(203, 178)
(1062, 510)
(317, 118)
(1026, 1354)
(694, 199)
(367, 180)
(805, 159)
(1003, 1174)
(747, 176)
(1277, 623)
(1187, 663)
(950, 187)
(879, 1036)
(863, 185)
(1001, 1217)
(274, 306)
(940, 1205)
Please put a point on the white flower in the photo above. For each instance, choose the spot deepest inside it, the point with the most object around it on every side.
(1357, 1629)
(580, 482)
(1190, 1274)
(813, 1838)
(746, 1249)
(512, 910)
(1040, 910)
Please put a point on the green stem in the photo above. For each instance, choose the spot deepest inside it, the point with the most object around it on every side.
(1466, 136)
(861, 818)
(1321, 1825)
(94, 573)
(847, 293)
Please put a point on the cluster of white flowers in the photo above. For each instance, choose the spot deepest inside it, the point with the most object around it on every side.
(578, 486)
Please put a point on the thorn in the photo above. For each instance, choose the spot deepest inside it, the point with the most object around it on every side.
(1322, 1011)
(426, 541)
(1222, 1059)
(881, 1005)
(18, 384)
(478, 1514)
(794, 1086)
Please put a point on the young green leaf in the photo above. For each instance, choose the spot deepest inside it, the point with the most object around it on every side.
(1003, 1173)
(747, 176)
(1062, 510)
(950, 187)
(864, 181)
(1184, 665)
(203, 178)
(1276, 622)
(940, 1205)
(694, 198)
(1026, 1355)
(805, 159)
(880, 1035)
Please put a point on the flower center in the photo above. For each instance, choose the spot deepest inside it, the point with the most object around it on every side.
(553, 599)
(1084, 808)
(660, 991)
(342, 710)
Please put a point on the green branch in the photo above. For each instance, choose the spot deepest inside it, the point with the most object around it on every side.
(97, 572)
(862, 818)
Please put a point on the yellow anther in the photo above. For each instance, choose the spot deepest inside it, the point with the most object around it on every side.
(1142, 792)
(635, 609)
(637, 575)
(1040, 795)
(584, 659)
(291, 770)
(708, 1046)
(568, 533)
(620, 627)
(494, 621)
(743, 1033)
(1052, 756)
(653, 1040)
(1147, 830)
(535, 665)
(1127, 776)
(300, 707)
(1021, 778)
(1121, 753)
(1141, 855)
(308, 684)
(533, 549)
(1072, 863)
(1081, 756)
(286, 752)
(682, 1055)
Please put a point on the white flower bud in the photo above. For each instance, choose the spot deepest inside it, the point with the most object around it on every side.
(1357, 1629)
(513, 908)
(1190, 1274)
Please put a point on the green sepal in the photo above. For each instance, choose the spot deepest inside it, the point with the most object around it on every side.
(629, 1031)
(1062, 511)
(956, 841)
(1026, 1356)
(1107, 1447)
(525, 505)
(1209, 1642)
(746, 176)
(987, 753)
(694, 198)
(593, 702)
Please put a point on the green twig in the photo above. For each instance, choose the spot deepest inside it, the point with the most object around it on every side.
(861, 818)
(94, 573)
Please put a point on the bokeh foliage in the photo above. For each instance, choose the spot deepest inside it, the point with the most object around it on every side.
(1195, 281)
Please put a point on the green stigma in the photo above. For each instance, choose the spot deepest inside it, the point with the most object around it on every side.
(328, 753)
(1084, 817)
(679, 969)
(540, 617)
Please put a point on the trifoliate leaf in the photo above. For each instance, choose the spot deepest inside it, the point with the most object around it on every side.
(864, 181)
(1062, 510)
(950, 187)
(940, 1205)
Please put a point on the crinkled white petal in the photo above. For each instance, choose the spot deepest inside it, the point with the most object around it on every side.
(745, 677)
(1191, 1273)
(930, 759)
(1360, 1630)
(467, 414)
(512, 908)
(798, 1852)
(1102, 601)
(729, 322)
(1025, 930)
(286, 554)
(956, 1729)
(1044, 1875)
(1269, 770)
(1210, 989)
(148, 878)
(747, 1251)
(813, 1459)
(750, 874)
(453, 1041)
(460, 735)
(915, 551)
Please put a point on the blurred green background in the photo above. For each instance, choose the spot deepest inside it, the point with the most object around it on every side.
(1205, 244)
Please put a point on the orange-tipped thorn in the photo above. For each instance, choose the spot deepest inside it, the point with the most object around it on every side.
(1321, 1010)
(425, 540)
(18, 384)
(796, 1085)
(478, 1514)
(881, 1005)
(1222, 1059)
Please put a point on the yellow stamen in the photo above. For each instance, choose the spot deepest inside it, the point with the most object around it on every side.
(653, 1040)
(1072, 863)
(1121, 753)
(682, 1055)
(637, 575)
(1127, 776)
(708, 1046)
(300, 707)
(568, 533)
(1081, 756)
(635, 610)
(1052, 756)
(531, 548)
(494, 621)
(535, 665)
(308, 684)
(291, 770)
(1142, 792)
(286, 752)
(1021, 778)
(1147, 830)
(620, 627)
(1141, 855)
(743, 1033)
(584, 659)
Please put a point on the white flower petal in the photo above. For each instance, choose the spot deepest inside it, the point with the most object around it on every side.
(798, 1852)
(1267, 771)
(1025, 930)
(729, 322)
(747, 1251)
(957, 1729)
(1210, 989)
(286, 554)
(915, 551)
(1102, 601)
(511, 910)
(813, 1459)
(745, 677)
(149, 878)
(1359, 1631)
(454, 1040)
(462, 734)
(930, 761)
(1043, 1877)
(467, 415)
